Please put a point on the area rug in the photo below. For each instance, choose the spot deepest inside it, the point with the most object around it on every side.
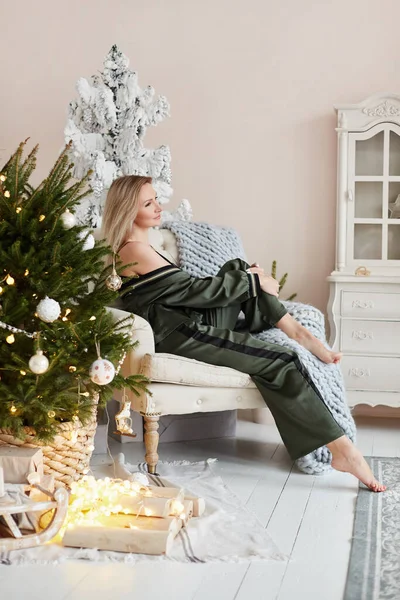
(226, 531)
(374, 568)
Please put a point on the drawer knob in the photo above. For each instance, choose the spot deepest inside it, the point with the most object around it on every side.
(356, 372)
(363, 304)
(362, 335)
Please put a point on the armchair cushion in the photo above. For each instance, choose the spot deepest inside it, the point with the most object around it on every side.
(171, 368)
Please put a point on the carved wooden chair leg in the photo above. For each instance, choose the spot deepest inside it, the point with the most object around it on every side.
(151, 438)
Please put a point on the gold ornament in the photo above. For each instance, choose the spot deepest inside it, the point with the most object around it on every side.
(362, 272)
(114, 281)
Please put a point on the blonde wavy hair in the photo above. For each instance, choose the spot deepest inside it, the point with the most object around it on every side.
(121, 209)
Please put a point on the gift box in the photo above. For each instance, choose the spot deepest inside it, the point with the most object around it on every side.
(17, 462)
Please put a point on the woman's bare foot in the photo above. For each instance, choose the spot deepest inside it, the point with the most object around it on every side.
(347, 458)
(297, 332)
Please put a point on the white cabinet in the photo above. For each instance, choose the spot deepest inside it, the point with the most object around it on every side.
(364, 303)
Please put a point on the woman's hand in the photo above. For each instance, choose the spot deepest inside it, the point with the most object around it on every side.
(268, 284)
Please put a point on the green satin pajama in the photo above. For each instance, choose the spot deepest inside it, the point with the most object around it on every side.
(303, 420)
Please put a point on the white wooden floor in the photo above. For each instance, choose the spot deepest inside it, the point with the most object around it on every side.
(310, 519)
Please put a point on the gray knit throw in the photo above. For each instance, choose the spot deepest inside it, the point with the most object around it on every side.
(203, 249)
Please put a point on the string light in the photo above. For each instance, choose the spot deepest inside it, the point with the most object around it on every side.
(26, 272)
(13, 409)
(10, 339)
(23, 372)
(10, 280)
(7, 194)
(71, 369)
(2, 177)
(51, 414)
(1, 290)
(18, 209)
(92, 318)
(42, 217)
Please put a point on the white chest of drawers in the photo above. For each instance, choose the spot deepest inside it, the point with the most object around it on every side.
(364, 317)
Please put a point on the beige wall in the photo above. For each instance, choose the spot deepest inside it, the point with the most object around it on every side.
(251, 87)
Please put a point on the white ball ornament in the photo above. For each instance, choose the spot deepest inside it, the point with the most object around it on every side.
(102, 371)
(89, 242)
(48, 310)
(68, 219)
(38, 363)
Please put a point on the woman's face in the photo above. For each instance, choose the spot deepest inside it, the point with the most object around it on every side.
(149, 213)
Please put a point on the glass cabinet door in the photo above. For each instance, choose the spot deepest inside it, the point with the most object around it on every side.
(393, 232)
(374, 194)
(368, 199)
(369, 155)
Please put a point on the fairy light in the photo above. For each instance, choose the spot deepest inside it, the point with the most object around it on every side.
(71, 369)
(26, 272)
(93, 499)
(177, 508)
(7, 194)
(42, 217)
(1, 290)
(10, 339)
(3, 177)
(67, 311)
(23, 372)
(92, 318)
(13, 409)
(18, 209)
(10, 280)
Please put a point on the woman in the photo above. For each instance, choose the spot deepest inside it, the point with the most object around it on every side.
(197, 318)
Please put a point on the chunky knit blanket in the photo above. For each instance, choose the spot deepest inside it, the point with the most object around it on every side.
(203, 249)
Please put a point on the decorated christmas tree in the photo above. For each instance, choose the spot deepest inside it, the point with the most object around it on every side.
(59, 346)
(106, 126)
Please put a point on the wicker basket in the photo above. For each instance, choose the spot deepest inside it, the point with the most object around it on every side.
(68, 456)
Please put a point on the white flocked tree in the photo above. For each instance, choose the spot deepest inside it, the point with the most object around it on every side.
(106, 126)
